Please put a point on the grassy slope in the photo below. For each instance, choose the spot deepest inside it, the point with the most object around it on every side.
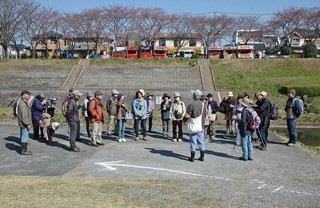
(269, 75)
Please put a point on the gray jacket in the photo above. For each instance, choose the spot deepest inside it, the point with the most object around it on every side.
(73, 111)
(194, 110)
(24, 114)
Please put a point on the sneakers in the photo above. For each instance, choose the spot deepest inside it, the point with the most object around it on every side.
(136, 139)
(179, 140)
(75, 149)
(145, 138)
(291, 144)
(94, 144)
(122, 140)
(174, 140)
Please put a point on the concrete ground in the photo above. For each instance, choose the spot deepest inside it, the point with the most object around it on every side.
(282, 176)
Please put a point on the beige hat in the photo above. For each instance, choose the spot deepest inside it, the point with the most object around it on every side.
(76, 93)
(142, 91)
(114, 92)
(230, 94)
(264, 93)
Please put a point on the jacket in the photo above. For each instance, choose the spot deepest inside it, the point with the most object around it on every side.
(293, 108)
(96, 111)
(112, 106)
(263, 108)
(194, 110)
(177, 110)
(24, 114)
(150, 104)
(121, 110)
(243, 123)
(229, 109)
(140, 108)
(37, 110)
(72, 111)
(165, 114)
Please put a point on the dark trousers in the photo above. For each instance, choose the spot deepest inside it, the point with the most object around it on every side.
(176, 124)
(143, 125)
(88, 126)
(150, 123)
(36, 129)
(74, 128)
(78, 130)
(263, 129)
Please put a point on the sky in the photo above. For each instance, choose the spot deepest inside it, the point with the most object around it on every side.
(196, 7)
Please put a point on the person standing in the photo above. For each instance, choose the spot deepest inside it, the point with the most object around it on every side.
(244, 130)
(214, 106)
(177, 111)
(24, 121)
(73, 119)
(37, 109)
(238, 118)
(263, 109)
(122, 109)
(196, 111)
(85, 107)
(112, 111)
(293, 112)
(97, 118)
(165, 114)
(230, 120)
(150, 103)
(140, 115)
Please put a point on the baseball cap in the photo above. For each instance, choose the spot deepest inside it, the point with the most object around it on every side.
(77, 93)
(23, 92)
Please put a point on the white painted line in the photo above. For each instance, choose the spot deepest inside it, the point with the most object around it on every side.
(261, 187)
(277, 189)
(110, 166)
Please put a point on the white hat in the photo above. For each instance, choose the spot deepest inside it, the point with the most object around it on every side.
(264, 93)
(55, 125)
(230, 94)
(142, 92)
(114, 92)
(77, 93)
(196, 92)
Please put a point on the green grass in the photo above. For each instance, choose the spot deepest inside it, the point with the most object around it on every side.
(270, 76)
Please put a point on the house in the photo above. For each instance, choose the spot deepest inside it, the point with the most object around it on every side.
(13, 51)
(300, 37)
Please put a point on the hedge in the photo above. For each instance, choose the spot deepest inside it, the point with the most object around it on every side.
(311, 91)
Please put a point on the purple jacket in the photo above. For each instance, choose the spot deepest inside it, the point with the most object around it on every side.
(37, 110)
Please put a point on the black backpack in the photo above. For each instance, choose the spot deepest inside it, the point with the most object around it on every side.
(274, 112)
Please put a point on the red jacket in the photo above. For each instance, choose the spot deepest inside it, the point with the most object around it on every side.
(96, 111)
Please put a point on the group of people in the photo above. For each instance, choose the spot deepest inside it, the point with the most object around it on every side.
(200, 117)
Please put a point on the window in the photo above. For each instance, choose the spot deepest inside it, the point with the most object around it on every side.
(162, 42)
(192, 43)
(295, 41)
(175, 43)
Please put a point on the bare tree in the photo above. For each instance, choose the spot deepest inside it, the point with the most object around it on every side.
(11, 18)
(311, 22)
(181, 30)
(119, 24)
(212, 29)
(148, 23)
(249, 28)
(285, 22)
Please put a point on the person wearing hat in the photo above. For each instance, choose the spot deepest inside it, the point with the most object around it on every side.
(237, 118)
(150, 104)
(37, 109)
(122, 109)
(73, 119)
(244, 131)
(139, 107)
(196, 109)
(89, 97)
(24, 121)
(97, 118)
(177, 111)
(263, 107)
(293, 111)
(111, 107)
(165, 114)
(230, 101)
(213, 107)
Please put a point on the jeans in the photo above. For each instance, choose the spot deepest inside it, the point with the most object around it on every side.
(165, 125)
(247, 147)
(263, 129)
(73, 133)
(197, 138)
(122, 128)
(292, 129)
(96, 133)
(24, 135)
(174, 129)
(143, 124)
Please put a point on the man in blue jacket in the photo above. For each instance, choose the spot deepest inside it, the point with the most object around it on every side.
(37, 109)
(293, 111)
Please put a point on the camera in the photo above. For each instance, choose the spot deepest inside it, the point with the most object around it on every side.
(52, 102)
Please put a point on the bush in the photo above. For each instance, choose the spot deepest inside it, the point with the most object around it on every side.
(310, 50)
(286, 50)
(311, 91)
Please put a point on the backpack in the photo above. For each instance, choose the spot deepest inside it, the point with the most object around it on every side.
(274, 112)
(253, 120)
(223, 106)
(15, 107)
(300, 102)
(64, 109)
